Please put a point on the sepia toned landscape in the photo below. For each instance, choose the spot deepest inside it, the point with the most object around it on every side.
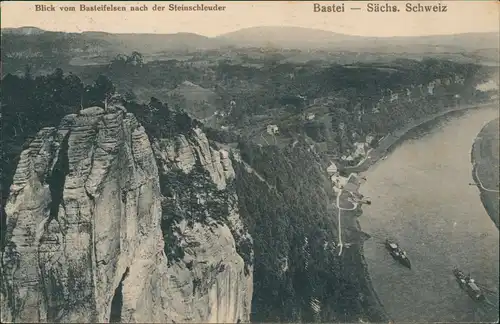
(270, 173)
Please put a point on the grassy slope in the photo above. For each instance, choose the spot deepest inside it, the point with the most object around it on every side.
(200, 102)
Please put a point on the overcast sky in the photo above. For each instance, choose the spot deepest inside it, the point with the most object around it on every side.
(461, 17)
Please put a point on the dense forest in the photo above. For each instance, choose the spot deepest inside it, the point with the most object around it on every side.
(291, 220)
(366, 98)
(288, 214)
(359, 98)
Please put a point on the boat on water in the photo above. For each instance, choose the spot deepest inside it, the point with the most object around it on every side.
(398, 253)
(469, 285)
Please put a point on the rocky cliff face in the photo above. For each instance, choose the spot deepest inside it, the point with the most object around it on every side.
(85, 220)
(203, 231)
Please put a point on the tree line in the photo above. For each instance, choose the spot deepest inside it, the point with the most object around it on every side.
(30, 103)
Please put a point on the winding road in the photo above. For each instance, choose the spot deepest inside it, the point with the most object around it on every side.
(355, 205)
(481, 183)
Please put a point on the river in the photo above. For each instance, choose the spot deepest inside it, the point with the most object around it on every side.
(422, 198)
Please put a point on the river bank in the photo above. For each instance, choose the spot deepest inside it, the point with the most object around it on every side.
(350, 218)
(485, 172)
(351, 241)
(424, 201)
(374, 309)
(375, 154)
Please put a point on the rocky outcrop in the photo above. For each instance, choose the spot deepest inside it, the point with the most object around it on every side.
(84, 237)
(186, 151)
(215, 275)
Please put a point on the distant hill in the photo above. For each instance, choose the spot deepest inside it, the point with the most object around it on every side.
(18, 40)
(268, 36)
(28, 30)
(291, 37)
(301, 38)
(32, 42)
(152, 43)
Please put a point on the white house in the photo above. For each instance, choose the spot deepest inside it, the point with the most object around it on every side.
(272, 129)
(360, 149)
(332, 169)
(310, 116)
(487, 86)
(346, 158)
(430, 88)
(338, 181)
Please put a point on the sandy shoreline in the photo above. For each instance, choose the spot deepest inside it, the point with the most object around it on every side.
(375, 307)
(479, 157)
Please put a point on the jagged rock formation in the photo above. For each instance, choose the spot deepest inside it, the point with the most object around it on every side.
(85, 241)
(200, 210)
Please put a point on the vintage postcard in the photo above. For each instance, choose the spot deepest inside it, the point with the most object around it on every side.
(249, 161)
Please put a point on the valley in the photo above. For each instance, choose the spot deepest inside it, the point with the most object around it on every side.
(215, 178)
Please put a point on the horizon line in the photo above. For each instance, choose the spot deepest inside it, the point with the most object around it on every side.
(461, 17)
(247, 28)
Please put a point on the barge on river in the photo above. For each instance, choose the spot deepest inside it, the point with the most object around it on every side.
(398, 253)
(469, 285)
